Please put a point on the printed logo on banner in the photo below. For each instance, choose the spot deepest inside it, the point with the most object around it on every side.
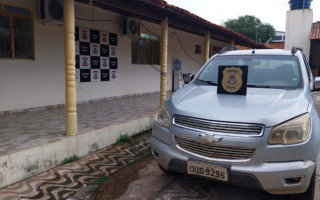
(84, 35)
(104, 38)
(104, 62)
(113, 51)
(113, 40)
(77, 48)
(95, 49)
(95, 75)
(77, 75)
(104, 50)
(85, 62)
(113, 63)
(232, 80)
(95, 62)
(105, 75)
(96, 55)
(94, 36)
(85, 75)
(84, 48)
(113, 75)
(77, 62)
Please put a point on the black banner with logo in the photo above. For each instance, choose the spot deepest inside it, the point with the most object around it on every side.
(96, 54)
(232, 80)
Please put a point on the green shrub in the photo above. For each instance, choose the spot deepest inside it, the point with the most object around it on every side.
(99, 180)
(70, 159)
(123, 138)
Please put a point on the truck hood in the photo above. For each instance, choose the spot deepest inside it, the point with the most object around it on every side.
(261, 105)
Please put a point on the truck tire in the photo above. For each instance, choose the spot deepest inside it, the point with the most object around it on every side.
(309, 194)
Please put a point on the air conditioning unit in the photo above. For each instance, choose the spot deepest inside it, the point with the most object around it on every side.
(51, 11)
(130, 27)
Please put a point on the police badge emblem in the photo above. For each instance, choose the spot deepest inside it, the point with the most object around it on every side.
(232, 80)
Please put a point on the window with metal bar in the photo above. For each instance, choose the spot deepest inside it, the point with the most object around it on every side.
(16, 32)
(145, 49)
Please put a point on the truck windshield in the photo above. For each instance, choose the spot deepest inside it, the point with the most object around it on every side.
(263, 71)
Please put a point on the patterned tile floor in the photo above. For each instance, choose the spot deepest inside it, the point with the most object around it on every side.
(63, 181)
(26, 130)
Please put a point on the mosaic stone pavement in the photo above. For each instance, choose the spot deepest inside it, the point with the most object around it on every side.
(27, 130)
(65, 180)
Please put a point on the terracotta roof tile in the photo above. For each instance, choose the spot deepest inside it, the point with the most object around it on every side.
(214, 26)
(315, 31)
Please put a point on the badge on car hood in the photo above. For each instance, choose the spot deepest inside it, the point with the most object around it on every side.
(232, 80)
(210, 138)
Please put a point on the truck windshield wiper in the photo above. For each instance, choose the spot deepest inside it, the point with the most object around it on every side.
(253, 86)
(209, 82)
(259, 86)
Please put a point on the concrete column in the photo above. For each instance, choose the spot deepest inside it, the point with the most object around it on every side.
(207, 47)
(164, 59)
(70, 72)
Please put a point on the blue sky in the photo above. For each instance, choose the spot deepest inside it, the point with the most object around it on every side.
(218, 11)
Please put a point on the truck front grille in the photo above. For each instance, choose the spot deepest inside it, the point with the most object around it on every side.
(213, 150)
(217, 127)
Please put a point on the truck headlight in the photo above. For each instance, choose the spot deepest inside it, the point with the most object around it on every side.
(291, 132)
(162, 116)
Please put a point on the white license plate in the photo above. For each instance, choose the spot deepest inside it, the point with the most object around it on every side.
(207, 170)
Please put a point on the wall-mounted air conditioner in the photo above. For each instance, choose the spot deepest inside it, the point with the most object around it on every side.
(51, 11)
(130, 27)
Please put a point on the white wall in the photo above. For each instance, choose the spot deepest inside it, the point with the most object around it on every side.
(132, 78)
(298, 27)
(40, 82)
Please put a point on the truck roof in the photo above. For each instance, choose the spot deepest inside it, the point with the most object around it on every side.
(257, 52)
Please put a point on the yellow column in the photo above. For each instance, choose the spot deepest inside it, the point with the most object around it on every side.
(69, 53)
(164, 59)
(207, 47)
(232, 43)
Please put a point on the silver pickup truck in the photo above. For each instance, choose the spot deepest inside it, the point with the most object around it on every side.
(247, 118)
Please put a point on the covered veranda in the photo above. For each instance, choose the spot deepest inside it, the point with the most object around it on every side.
(32, 142)
(35, 141)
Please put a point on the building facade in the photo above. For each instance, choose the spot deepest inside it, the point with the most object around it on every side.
(32, 56)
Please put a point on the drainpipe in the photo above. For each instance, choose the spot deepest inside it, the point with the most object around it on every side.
(207, 47)
(164, 59)
(70, 72)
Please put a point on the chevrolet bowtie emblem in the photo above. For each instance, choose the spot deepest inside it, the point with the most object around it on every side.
(210, 138)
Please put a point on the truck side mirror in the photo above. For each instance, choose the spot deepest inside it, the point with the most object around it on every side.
(317, 84)
(188, 77)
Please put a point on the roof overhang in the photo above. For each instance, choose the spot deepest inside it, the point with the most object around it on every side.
(156, 10)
